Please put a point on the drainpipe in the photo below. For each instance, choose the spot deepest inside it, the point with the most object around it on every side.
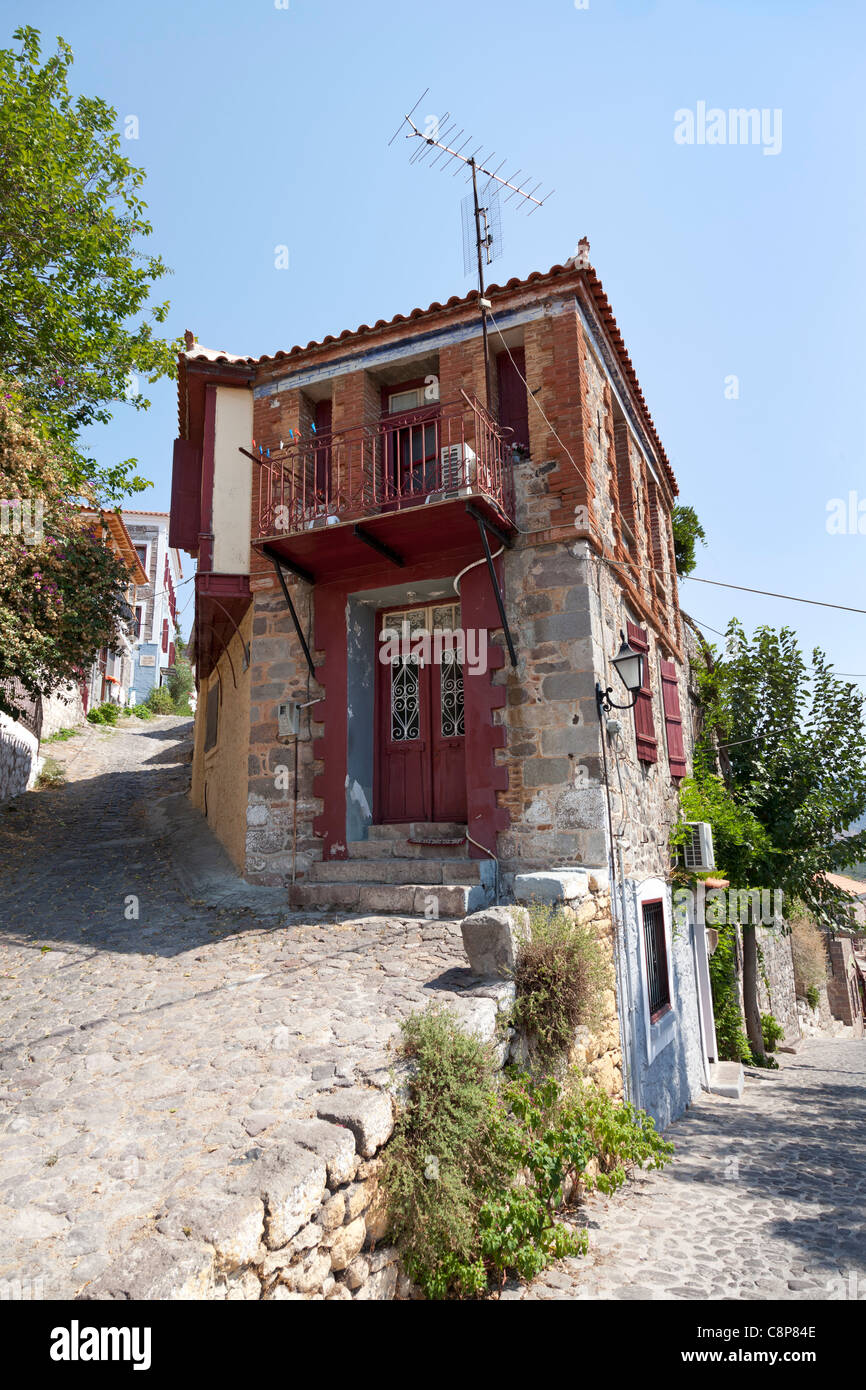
(634, 1085)
(496, 892)
(620, 944)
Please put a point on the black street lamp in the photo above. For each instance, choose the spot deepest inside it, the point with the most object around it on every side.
(629, 666)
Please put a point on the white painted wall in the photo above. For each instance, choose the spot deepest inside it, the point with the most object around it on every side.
(232, 490)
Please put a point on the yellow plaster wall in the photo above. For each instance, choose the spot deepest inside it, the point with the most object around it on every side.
(219, 777)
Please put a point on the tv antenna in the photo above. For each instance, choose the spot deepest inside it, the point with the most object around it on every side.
(442, 135)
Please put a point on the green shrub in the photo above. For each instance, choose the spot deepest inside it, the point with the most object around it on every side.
(442, 1154)
(159, 700)
(50, 775)
(560, 975)
(140, 712)
(813, 997)
(106, 713)
(772, 1031)
(474, 1176)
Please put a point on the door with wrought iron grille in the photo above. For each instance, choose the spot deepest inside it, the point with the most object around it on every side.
(420, 735)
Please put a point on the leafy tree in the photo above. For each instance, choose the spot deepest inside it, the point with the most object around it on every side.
(75, 331)
(793, 779)
(687, 532)
(61, 593)
(179, 676)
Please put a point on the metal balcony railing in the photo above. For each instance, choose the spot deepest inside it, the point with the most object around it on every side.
(429, 455)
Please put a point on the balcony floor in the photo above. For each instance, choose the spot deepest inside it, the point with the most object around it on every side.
(414, 533)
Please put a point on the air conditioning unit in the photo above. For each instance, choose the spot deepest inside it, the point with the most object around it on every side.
(458, 468)
(697, 850)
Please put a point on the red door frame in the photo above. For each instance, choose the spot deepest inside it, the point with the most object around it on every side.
(438, 773)
(484, 778)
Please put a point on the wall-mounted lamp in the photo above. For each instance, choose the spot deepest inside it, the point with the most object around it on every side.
(629, 667)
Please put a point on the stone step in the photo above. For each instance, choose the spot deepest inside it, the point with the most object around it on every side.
(402, 849)
(411, 899)
(386, 871)
(417, 830)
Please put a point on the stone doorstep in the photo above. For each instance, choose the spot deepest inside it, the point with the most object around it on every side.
(726, 1079)
(410, 899)
(402, 849)
(385, 871)
(416, 830)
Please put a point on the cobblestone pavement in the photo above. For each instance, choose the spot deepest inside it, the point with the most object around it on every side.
(141, 1057)
(766, 1197)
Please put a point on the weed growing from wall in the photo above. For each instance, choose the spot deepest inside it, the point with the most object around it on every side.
(560, 976)
(475, 1175)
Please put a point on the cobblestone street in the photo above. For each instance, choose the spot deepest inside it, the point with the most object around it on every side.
(766, 1197)
(143, 1055)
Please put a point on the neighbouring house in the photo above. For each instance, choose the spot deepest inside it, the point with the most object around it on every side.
(856, 888)
(156, 625)
(111, 674)
(351, 502)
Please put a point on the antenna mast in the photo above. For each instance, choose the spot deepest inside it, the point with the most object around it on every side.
(435, 138)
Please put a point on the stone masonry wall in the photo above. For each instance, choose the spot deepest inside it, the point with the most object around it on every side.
(279, 673)
(776, 990)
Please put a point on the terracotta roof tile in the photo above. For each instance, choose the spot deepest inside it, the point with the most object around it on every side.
(201, 354)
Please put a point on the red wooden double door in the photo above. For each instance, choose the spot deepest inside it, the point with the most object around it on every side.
(420, 755)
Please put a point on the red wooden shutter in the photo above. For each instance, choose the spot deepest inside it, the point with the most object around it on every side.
(513, 403)
(185, 520)
(171, 653)
(673, 719)
(647, 747)
(165, 634)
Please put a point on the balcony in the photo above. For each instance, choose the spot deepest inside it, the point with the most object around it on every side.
(401, 488)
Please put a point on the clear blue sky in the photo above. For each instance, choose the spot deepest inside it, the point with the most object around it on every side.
(261, 126)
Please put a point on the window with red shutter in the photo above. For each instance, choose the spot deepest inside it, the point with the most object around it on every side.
(165, 634)
(647, 747)
(673, 719)
(171, 653)
(513, 401)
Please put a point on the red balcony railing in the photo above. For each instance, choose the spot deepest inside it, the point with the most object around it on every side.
(429, 455)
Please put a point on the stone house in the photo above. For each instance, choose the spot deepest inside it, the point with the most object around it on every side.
(352, 501)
